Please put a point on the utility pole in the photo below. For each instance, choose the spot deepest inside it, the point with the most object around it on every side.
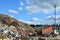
(54, 16)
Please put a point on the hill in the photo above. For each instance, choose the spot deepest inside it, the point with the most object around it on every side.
(8, 21)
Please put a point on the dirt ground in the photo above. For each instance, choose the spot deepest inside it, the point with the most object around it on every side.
(4, 39)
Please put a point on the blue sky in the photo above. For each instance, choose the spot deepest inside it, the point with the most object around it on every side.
(31, 11)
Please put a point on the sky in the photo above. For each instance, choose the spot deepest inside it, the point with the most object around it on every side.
(31, 11)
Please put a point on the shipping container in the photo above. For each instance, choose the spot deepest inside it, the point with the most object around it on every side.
(47, 30)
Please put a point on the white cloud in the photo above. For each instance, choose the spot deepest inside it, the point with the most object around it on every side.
(21, 3)
(29, 22)
(49, 16)
(11, 15)
(45, 6)
(34, 19)
(29, 13)
(20, 8)
(58, 17)
(26, 21)
(12, 11)
(50, 19)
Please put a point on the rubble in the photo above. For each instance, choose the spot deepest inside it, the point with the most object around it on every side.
(14, 28)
